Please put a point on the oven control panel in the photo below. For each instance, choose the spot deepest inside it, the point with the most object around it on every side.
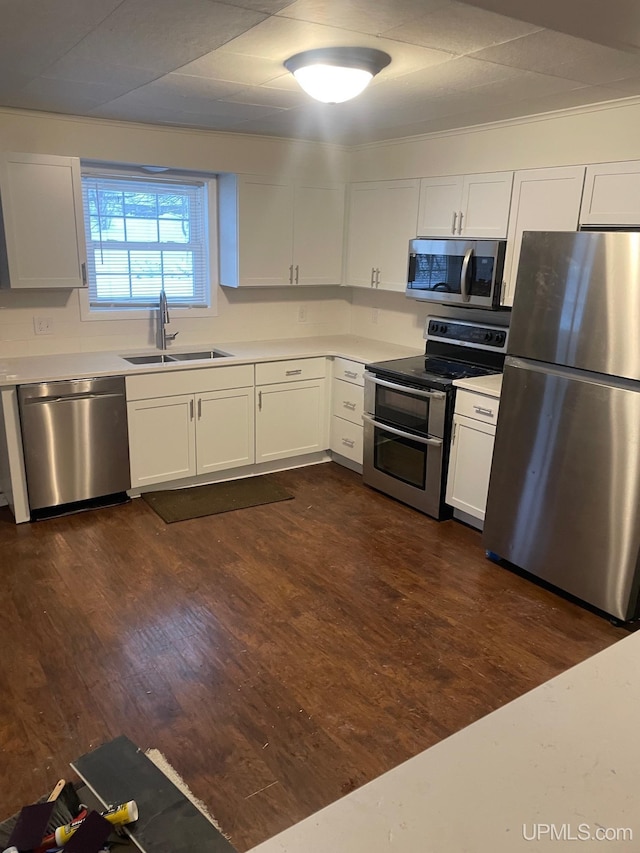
(466, 333)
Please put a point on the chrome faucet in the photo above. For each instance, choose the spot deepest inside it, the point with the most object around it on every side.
(163, 318)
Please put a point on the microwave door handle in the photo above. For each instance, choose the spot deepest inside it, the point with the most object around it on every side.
(416, 392)
(464, 276)
(413, 262)
(434, 442)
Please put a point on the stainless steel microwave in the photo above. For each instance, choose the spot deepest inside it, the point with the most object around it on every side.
(456, 272)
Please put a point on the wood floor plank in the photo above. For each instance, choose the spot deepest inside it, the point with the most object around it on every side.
(279, 656)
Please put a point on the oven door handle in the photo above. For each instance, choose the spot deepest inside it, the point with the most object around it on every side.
(434, 442)
(416, 392)
(464, 276)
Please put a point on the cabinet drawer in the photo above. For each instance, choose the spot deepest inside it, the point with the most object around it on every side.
(346, 439)
(482, 407)
(349, 371)
(347, 401)
(272, 372)
(167, 383)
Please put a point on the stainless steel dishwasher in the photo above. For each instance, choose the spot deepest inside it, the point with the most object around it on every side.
(75, 440)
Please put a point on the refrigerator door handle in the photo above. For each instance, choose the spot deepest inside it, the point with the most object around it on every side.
(464, 276)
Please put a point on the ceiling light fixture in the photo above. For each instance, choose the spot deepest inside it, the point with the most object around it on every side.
(336, 74)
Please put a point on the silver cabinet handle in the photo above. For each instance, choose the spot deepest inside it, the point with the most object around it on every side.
(352, 374)
(259, 401)
(434, 442)
(460, 223)
(349, 442)
(291, 274)
(297, 274)
(377, 276)
(416, 392)
(453, 437)
(199, 407)
(84, 273)
(293, 372)
(482, 411)
(373, 276)
(453, 224)
(349, 405)
(191, 409)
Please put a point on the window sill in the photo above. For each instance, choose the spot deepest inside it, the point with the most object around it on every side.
(87, 314)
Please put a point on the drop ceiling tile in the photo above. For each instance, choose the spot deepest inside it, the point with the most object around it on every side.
(85, 69)
(564, 56)
(630, 85)
(279, 38)
(517, 85)
(280, 98)
(362, 16)
(194, 89)
(162, 34)
(34, 33)
(224, 65)
(449, 77)
(460, 29)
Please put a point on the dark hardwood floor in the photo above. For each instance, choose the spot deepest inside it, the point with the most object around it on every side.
(279, 656)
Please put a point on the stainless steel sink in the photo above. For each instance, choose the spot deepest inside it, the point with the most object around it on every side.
(165, 358)
(146, 359)
(188, 356)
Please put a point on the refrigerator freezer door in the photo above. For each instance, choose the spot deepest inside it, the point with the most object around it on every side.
(577, 301)
(564, 495)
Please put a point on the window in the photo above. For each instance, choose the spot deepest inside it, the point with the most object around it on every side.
(143, 234)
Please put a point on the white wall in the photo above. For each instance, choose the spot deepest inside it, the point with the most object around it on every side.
(596, 134)
(592, 135)
(254, 314)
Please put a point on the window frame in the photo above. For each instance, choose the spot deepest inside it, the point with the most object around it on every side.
(92, 313)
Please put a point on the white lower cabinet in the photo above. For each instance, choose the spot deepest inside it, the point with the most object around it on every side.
(347, 403)
(182, 435)
(291, 408)
(474, 428)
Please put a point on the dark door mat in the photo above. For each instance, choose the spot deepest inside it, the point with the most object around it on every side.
(181, 504)
(118, 771)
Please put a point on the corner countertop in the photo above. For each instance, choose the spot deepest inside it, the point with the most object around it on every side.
(49, 368)
(565, 755)
(490, 385)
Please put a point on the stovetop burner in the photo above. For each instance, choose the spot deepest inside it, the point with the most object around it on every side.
(455, 349)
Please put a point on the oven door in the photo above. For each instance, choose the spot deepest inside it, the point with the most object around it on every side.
(417, 410)
(405, 466)
(459, 272)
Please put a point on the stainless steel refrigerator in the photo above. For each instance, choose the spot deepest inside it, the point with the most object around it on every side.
(564, 495)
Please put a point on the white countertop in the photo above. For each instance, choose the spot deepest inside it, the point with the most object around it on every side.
(490, 385)
(566, 753)
(18, 371)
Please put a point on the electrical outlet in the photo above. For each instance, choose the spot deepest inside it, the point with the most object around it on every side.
(43, 325)
(302, 314)
(374, 315)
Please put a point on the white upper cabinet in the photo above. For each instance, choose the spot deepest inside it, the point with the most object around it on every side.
(474, 206)
(382, 220)
(612, 194)
(276, 232)
(43, 222)
(542, 200)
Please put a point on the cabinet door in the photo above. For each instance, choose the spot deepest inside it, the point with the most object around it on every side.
(484, 211)
(162, 443)
(542, 200)
(43, 221)
(439, 206)
(470, 465)
(397, 213)
(612, 194)
(224, 429)
(318, 232)
(291, 419)
(364, 232)
(265, 231)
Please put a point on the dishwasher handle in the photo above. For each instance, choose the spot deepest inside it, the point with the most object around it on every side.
(29, 401)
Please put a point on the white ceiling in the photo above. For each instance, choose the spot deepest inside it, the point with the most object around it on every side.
(218, 65)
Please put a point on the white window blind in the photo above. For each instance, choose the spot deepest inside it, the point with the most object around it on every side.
(143, 234)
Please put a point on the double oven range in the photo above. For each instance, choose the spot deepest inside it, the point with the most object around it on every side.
(408, 410)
